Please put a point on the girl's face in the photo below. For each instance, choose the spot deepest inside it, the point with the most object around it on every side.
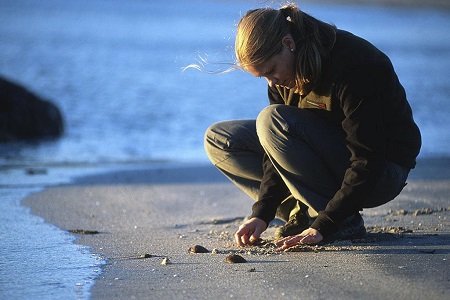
(280, 68)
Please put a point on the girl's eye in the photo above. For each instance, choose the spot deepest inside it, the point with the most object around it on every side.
(267, 73)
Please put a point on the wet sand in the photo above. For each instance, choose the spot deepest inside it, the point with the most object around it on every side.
(162, 210)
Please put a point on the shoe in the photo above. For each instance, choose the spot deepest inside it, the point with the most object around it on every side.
(352, 228)
(296, 224)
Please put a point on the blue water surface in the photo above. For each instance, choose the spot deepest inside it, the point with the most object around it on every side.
(39, 261)
(114, 68)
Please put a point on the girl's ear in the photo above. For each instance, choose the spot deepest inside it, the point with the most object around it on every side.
(288, 42)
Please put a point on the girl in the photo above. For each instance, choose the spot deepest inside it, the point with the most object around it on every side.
(337, 137)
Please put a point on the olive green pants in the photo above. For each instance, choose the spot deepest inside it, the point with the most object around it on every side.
(310, 155)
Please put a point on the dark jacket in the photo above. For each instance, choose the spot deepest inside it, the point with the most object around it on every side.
(359, 91)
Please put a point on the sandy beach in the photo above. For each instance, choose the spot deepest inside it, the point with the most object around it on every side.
(163, 209)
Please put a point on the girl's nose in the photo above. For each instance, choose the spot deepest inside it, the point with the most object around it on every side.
(271, 81)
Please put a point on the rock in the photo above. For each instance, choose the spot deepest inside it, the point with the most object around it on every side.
(197, 249)
(24, 116)
(235, 259)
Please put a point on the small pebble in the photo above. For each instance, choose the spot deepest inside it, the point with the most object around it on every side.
(197, 249)
(235, 259)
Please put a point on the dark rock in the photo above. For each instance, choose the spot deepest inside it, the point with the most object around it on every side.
(197, 249)
(235, 259)
(24, 116)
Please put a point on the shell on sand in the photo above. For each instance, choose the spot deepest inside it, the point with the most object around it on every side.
(166, 261)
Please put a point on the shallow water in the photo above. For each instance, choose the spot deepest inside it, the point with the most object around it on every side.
(39, 261)
(114, 69)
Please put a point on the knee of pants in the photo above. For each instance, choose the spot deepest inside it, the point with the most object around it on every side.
(268, 122)
(212, 140)
(219, 141)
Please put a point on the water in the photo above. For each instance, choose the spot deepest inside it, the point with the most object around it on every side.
(114, 69)
(30, 269)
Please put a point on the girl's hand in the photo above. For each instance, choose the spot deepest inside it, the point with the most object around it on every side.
(308, 236)
(250, 231)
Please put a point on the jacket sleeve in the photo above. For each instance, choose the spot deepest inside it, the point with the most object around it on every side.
(363, 93)
(273, 190)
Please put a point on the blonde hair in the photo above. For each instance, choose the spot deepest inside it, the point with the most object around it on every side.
(259, 35)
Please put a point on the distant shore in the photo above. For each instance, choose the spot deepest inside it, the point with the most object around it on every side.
(442, 4)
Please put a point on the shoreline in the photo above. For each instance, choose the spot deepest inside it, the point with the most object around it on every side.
(165, 209)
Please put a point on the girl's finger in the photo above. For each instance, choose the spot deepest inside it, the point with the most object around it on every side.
(245, 239)
(293, 241)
